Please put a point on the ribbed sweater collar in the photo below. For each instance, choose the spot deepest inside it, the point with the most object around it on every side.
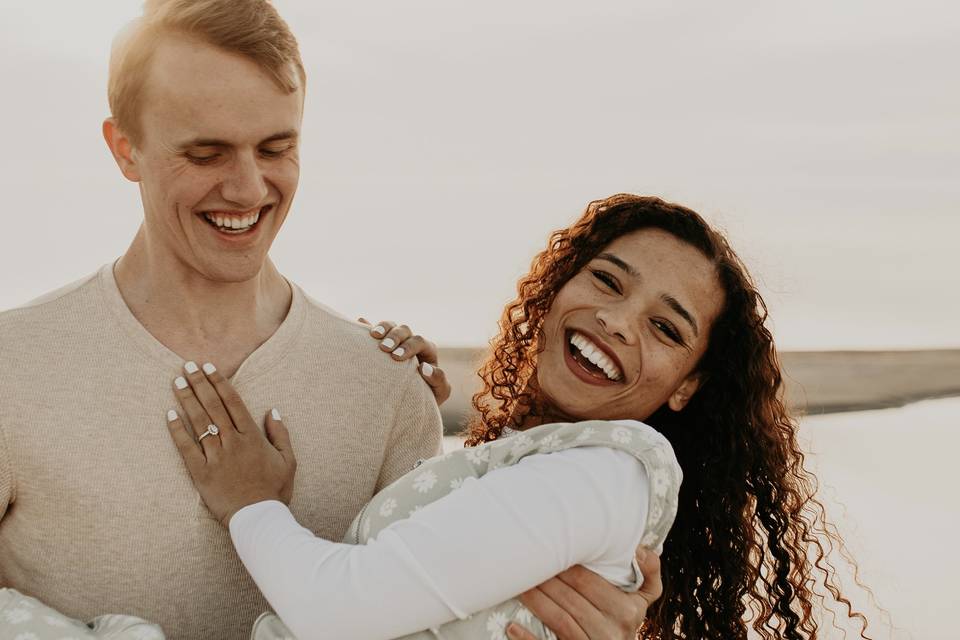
(264, 358)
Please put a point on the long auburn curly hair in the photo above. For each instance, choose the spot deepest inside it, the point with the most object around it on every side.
(747, 545)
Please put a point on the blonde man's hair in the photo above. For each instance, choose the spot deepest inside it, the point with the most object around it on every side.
(250, 28)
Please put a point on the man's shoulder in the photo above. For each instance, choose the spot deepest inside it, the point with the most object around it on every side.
(351, 341)
(58, 305)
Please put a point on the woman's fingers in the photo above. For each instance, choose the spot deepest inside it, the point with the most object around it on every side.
(279, 437)
(437, 380)
(227, 394)
(394, 338)
(423, 349)
(208, 396)
(381, 329)
(186, 444)
(402, 344)
(199, 419)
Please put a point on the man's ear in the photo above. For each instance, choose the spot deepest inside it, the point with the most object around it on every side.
(681, 396)
(121, 148)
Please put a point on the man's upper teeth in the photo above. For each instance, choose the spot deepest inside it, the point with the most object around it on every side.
(228, 222)
(594, 354)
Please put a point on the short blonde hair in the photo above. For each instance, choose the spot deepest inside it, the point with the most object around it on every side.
(250, 28)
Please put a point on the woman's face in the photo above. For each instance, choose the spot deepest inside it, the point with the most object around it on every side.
(624, 335)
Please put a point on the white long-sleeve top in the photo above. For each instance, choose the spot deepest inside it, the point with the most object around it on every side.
(496, 537)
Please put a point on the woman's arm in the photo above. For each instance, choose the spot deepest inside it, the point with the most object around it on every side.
(535, 527)
(486, 542)
(577, 603)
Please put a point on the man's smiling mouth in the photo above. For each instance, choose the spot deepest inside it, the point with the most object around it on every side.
(233, 223)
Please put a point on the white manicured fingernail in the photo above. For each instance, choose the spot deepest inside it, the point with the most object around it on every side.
(275, 414)
(191, 366)
(181, 382)
(378, 330)
(208, 368)
(171, 415)
(427, 369)
(399, 351)
(389, 343)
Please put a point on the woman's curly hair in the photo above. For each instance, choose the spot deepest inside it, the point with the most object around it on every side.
(747, 545)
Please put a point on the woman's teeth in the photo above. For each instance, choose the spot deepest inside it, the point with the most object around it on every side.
(230, 224)
(595, 355)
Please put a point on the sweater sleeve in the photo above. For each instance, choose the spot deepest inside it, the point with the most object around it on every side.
(482, 544)
(416, 432)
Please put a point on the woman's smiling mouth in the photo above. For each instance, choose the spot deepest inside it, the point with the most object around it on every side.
(589, 361)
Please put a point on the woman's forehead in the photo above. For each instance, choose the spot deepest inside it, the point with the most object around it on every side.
(657, 248)
(661, 261)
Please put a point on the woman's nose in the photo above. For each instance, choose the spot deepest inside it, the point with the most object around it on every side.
(617, 323)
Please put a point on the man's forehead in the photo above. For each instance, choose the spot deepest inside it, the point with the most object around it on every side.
(205, 92)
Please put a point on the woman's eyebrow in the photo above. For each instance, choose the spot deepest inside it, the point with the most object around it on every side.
(681, 311)
(667, 298)
(609, 257)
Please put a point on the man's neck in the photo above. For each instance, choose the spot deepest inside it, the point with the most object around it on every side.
(195, 317)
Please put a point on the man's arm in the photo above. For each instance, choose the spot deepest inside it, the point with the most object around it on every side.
(417, 432)
(579, 605)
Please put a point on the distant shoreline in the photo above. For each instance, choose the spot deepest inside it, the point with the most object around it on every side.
(879, 406)
(817, 382)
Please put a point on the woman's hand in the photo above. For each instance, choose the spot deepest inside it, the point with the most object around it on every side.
(234, 465)
(401, 344)
(579, 605)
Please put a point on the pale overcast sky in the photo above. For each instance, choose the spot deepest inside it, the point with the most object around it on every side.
(444, 140)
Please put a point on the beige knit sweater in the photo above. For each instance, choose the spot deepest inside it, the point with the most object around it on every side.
(97, 512)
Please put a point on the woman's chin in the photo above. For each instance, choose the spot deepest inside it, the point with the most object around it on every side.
(574, 411)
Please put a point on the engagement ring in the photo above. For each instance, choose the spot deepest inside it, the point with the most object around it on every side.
(212, 430)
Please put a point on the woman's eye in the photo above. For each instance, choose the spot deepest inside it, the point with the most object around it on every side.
(668, 331)
(606, 279)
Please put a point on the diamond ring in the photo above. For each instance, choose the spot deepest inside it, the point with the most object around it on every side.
(212, 430)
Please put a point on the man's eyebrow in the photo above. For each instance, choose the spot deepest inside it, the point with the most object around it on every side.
(290, 134)
(667, 298)
(204, 142)
(681, 311)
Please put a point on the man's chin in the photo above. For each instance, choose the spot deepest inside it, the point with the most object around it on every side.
(230, 270)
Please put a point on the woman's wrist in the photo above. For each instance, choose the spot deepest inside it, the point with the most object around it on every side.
(252, 510)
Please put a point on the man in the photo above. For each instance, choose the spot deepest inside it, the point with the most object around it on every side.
(98, 513)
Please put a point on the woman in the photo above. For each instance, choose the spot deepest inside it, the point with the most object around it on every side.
(639, 311)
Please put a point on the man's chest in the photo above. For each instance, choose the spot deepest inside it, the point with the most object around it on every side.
(102, 445)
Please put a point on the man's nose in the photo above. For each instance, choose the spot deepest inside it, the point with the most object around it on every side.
(245, 185)
(620, 322)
